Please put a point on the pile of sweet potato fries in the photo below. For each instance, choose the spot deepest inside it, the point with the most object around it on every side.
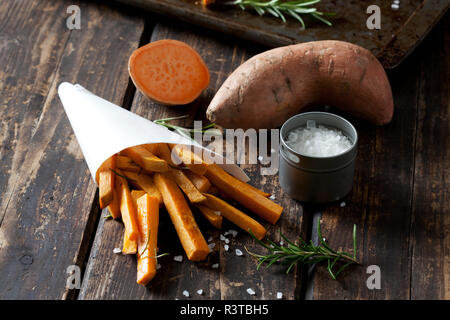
(157, 181)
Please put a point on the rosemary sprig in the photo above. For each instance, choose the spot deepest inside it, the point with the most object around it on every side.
(120, 175)
(279, 9)
(306, 253)
(187, 132)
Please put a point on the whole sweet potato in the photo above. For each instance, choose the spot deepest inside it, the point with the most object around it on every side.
(272, 86)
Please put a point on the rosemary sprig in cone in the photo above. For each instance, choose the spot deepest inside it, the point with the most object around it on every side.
(279, 9)
(186, 132)
(306, 253)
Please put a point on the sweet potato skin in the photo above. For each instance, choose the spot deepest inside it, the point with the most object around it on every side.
(272, 86)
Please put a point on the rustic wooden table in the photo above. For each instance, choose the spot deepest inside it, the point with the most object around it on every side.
(49, 217)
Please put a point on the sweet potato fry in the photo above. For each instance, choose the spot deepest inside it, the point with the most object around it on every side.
(189, 158)
(114, 206)
(186, 185)
(125, 163)
(200, 182)
(105, 180)
(147, 208)
(144, 158)
(211, 216)
(236, 216)
(213, 190)
(244, 194)
(128, 212)
(151, 147)
(144, 182)
(191, 238)
(164, 152)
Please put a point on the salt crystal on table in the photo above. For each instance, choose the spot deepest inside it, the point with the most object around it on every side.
(342, 204)
(186, 293)
(178, 258)
(222, 237)
(233, 232)
(281, 242)
(158, 266)
(227, 241)
(210, 239)
(395, 6)
(260, 158)
(215, 266)
(200, 292)
(211, 245)
(117, 250)
(226, 247)
(320, 141)
(279, 295)
(239, 252)
(251, 292)
(272, 197)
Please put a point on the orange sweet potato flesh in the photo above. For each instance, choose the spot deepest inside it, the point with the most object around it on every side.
(191, 238)
(105, 180)
(164, 152)
(200, 182)
(128, 212)
(144, 158)
(272, 86)
(169, 72)
(190, 158)
(125, 163)
(147, 208)
(211, 216)
(114, 206)
(144, 182)
(244, 194)
(236, 216)
(193, 194)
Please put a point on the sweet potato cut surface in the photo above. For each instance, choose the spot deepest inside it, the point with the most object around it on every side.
(144, 158)
(125, 163)
(200, 182)
(164, 152)
(128, 212)
(244, 194)
(114, 206)
(105, 179)
(193, 161)
(187, 186)
(147, 208)
(168, 71)
(144, 182)
(274, 85)
(211, 215)
(191, 238)
(151, 147)
(236, 216)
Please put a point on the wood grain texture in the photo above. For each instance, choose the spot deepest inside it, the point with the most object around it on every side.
(112, 276)
(430, 228)
(47, 191)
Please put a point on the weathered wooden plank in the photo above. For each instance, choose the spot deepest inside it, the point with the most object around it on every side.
(430, 229)
(379, 204)
(112, 276)
(49, 192)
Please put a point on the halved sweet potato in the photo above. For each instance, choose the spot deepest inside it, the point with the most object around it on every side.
(169, 72)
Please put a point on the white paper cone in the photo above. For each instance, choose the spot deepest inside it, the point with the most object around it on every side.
(103, 128)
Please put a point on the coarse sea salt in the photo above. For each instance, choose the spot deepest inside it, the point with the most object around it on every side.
(178, 258)
(186, 293)
(251, 292)
(318, 141)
